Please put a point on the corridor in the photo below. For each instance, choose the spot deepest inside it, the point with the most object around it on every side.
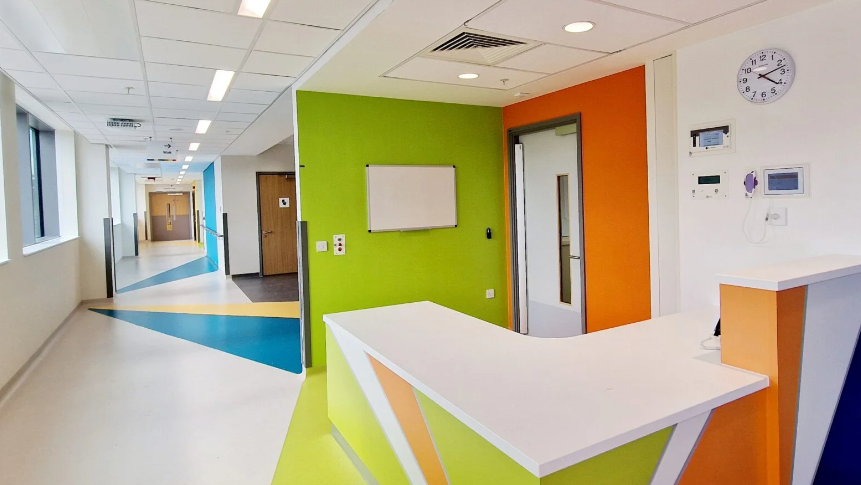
(191, 383)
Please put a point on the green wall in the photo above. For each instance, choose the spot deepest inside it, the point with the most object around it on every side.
(338, 135)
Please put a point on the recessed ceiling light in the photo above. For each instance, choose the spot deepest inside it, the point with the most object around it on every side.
(253, 8)
(469, 75)
(579, 27)
(182, 173)
(193, 147)
(220, 84)
(185, 167)
(189, 158)
(202, 126)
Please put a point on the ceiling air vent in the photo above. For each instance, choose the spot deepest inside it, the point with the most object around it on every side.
(123, 124)
(477, 47)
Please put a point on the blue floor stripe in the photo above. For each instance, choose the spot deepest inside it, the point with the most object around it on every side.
(271, 341)
(194, 268)
(839, 464)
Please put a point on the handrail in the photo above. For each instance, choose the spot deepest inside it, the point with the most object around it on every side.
(212, 232)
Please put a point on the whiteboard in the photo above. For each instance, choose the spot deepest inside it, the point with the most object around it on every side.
(411, 197)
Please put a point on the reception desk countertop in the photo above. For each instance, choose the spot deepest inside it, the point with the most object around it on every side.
(551, 403)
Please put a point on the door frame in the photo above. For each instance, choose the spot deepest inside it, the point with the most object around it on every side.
(259, 219)
(513, 138)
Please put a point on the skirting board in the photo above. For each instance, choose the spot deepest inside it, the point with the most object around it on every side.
(9, 388)
(354, 458)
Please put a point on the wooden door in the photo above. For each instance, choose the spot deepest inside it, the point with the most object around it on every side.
(170, 215)
(278, 237)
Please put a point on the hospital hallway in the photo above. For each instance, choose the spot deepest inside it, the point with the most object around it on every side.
(179, 379)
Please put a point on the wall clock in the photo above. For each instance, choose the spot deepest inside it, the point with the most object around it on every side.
(765, 76)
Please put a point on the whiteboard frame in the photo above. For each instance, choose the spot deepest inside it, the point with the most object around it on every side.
(368, 198)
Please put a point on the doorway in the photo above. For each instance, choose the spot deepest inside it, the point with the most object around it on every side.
(276, 203)
(170, 216)
(548, 267)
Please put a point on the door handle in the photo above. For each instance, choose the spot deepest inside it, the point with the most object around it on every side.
(574, 257)
(266, 233)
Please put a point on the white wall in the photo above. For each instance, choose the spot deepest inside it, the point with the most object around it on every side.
(815, 123)
(239, 200)
(39, 290)
(128, 207)
(116, 213)
(94, 204)
(142, 209)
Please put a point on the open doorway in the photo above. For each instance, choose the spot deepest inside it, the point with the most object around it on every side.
(548, 264)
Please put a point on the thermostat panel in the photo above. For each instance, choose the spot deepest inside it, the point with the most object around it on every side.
(708, 185)
(712, 138)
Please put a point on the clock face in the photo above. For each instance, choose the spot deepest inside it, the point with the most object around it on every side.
(765, 76)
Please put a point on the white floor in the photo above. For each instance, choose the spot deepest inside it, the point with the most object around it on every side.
(112, 403)
(155, 258)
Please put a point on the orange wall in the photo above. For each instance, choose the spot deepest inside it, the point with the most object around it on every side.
(615, 190)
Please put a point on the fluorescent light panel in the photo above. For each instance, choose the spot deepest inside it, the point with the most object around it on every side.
(185, 167)
(253, 8)
(189, 158)
(182, 173)
(202, 126)
(220, 83)
(193, 147)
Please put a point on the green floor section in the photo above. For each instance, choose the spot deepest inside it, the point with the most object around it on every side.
(469, 459)
(350, 412)
(311, 456)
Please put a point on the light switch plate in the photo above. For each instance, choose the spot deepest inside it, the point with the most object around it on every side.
(284, 202)
(339, 245)
(490, 294)
(322, 246)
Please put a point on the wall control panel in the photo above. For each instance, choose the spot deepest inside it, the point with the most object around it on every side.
(782, 182)
(712, 138)
(708, 185)
(339, 245)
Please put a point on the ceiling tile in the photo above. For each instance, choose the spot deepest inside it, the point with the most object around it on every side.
(18, 60)
(174, 129)
(167, 122)
(60, 107)
(114, 111)
(179, 74)
(236, 117)
(262, 82)
(613, 25)
(107, 98)
(226, 6)
(255, 109)
(550, 59)
(46, 95)
(7, 40)
(180, 103)
(335, 14)
(182, 113)
(170, 90)
(33, 79)
(195, 25)
(90, 66)
(435, 70)
(692, 11)
(276, 64)
(302, 40)
(98, 84)
(75, 118)
(113, 27)
(190, 54)
(252, 97)
(221, 126)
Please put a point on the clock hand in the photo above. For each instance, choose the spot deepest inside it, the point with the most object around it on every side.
(771, 71)
(770, 79)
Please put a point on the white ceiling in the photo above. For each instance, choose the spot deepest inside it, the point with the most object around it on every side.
(81, 57)
(390, 57)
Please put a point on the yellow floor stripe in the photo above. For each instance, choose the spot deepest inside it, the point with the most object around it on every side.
(277, 310)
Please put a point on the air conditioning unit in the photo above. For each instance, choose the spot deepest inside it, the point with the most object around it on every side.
(123, 124)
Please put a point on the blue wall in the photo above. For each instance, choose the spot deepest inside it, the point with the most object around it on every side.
(209, 213)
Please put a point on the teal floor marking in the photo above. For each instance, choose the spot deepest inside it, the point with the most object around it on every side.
(271, 341)
(194, 268)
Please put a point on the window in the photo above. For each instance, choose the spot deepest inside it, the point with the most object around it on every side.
(37, 171)
(36, 185)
